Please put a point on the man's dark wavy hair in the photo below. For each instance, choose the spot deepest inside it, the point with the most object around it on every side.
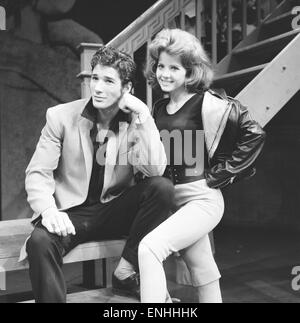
(122, 62)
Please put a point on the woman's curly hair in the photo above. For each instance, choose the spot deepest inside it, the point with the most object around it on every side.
(191, 53)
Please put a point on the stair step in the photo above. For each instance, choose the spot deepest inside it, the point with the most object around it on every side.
(278, 18)
(240, 74)
(261, 52)
(103, 295)
(234, 82)
(277, 42)
(276, 26)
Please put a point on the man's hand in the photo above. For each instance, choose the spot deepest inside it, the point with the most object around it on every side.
(129, 103)
(57, 222)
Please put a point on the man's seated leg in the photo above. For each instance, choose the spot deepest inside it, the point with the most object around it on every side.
(45, 266)
(45, 254)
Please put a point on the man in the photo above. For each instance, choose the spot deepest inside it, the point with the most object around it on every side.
(81, 179)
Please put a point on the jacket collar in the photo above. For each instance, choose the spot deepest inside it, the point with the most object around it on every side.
(89, 112)
(215, 113)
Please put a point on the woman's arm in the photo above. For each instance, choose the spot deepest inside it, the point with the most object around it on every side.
(251, 138)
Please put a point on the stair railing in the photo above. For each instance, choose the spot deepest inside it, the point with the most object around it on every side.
(164, 13)
(176, 14)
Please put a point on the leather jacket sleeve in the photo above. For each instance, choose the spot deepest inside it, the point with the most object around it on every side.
(239, 147)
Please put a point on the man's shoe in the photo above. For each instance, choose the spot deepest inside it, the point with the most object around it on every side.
(128, 287)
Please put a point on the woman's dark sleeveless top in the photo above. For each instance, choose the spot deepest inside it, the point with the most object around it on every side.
(185, 128)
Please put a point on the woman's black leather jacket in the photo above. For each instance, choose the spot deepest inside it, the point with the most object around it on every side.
(239, 146)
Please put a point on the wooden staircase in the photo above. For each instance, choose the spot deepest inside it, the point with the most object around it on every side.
(263, 71)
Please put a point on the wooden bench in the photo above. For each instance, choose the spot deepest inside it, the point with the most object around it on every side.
(13, 234)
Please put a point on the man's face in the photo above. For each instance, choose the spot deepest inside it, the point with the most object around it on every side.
(106, 87)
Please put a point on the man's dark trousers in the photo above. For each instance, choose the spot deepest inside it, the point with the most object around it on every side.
(135, 213)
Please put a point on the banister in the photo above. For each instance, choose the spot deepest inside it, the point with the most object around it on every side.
(139, 23)
(133, 27)
(137, 34)
(139, 31)
(161, 15)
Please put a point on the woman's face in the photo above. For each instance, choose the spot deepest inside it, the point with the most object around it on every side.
(170, 73)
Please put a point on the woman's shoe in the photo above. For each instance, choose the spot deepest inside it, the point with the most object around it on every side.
(127, 287)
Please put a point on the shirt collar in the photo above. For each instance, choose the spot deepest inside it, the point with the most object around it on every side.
(90, 112)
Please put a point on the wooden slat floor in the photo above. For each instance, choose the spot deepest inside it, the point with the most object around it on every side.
(256, 267)
(97, 296)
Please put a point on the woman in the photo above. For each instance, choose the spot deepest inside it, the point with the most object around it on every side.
(181, 68)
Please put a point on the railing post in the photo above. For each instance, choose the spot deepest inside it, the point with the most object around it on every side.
(229, 27)
(182, 15)
(148, 87)
(2, 279)
(214, 33)
(1, 104)
(244, 21)
(2, 18)
(85, 87)
(258, 8)
(199, 10)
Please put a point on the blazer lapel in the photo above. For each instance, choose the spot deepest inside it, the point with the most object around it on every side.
(85, 127)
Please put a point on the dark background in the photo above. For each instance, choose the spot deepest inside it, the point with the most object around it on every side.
(98, 17)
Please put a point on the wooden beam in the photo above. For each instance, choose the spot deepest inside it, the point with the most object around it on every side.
(272, 44)
(280, 81)
(239, 74)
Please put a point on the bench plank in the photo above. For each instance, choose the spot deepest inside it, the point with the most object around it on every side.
(11, 228)
(83, 252)
(13, 234)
